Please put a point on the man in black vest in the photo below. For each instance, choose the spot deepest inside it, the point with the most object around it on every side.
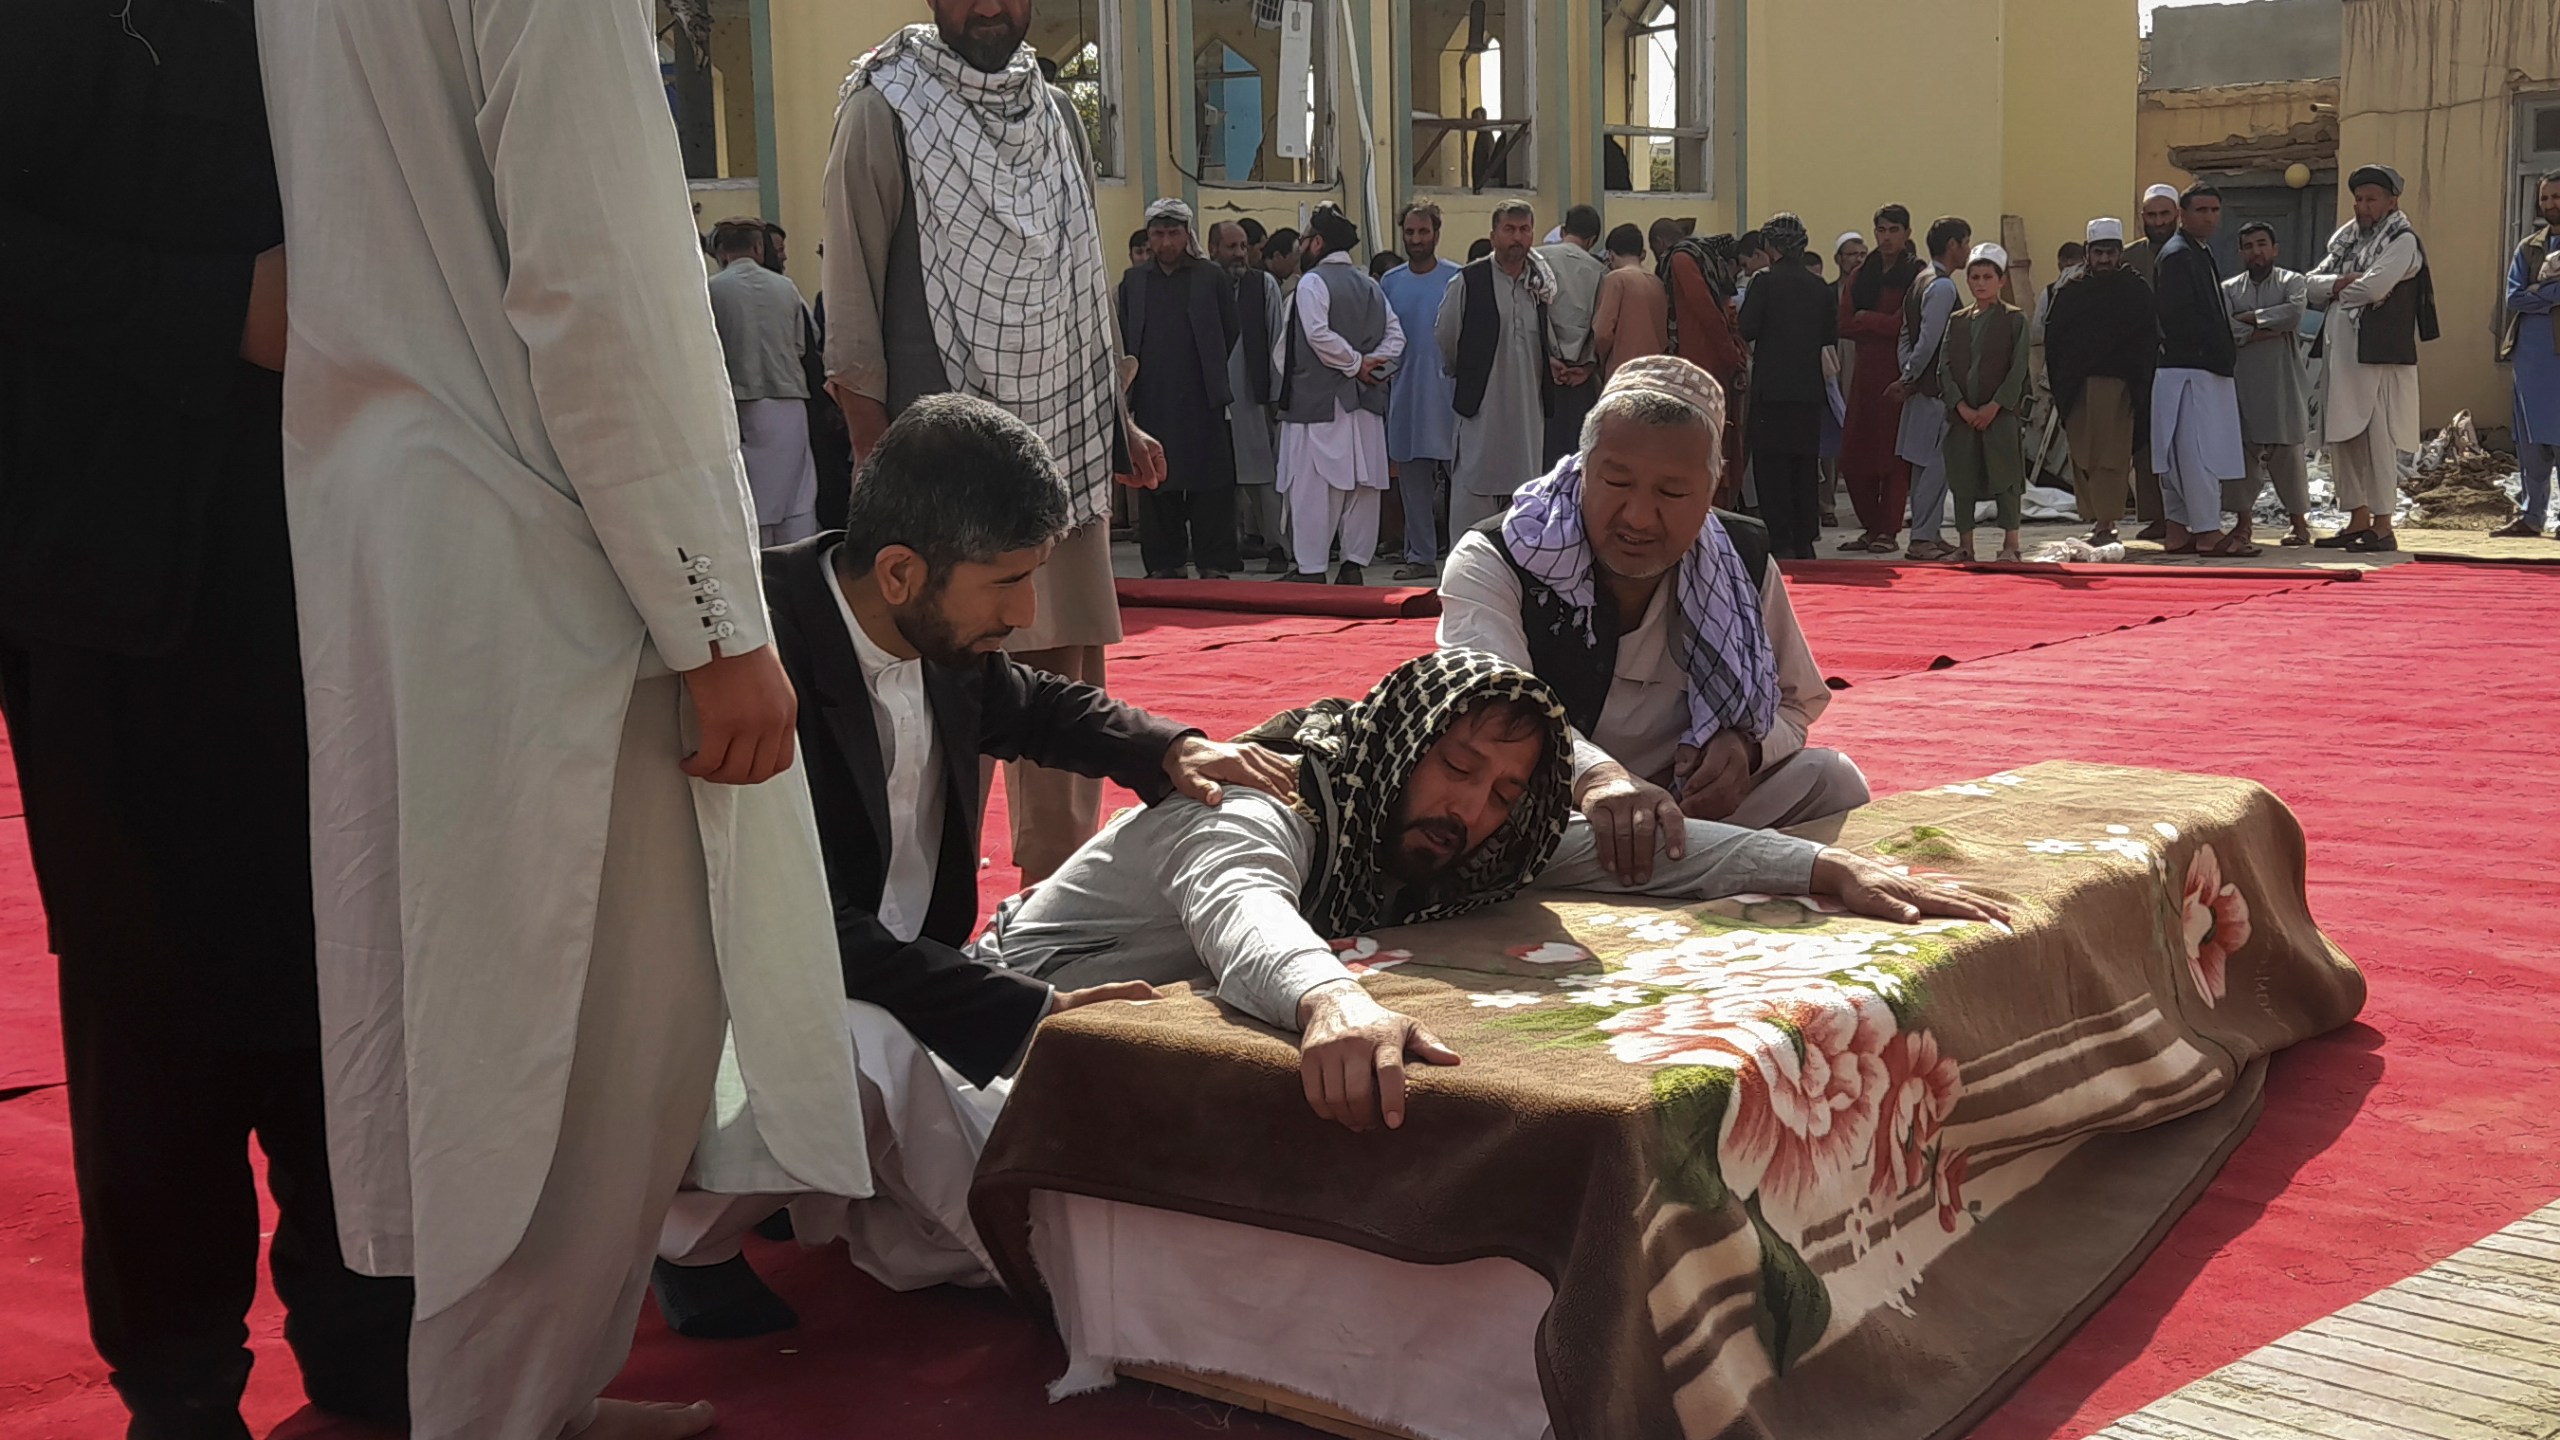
(1612, 642)
(892, 633)
(1251, 388)
(152, 677)
(1493, 336)
(1178, 320)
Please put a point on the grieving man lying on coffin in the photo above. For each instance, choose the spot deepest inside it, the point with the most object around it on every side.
(1442, 792)
(1659, 622)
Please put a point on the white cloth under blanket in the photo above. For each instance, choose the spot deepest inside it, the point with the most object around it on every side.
(1446, 1352)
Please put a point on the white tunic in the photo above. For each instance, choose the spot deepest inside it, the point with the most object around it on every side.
(513, 481)
(2359, 396)
(1350, 450)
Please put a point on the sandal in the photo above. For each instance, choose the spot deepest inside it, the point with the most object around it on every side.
(1858, 546)
(2232, 550)
(2187, 549)
(2298, 537)
(2343, 540)
(1883, 545)
(2009, 555)
(2373, 542)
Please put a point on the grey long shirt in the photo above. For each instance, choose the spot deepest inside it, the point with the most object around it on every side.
(1180, 892)
(761, 330)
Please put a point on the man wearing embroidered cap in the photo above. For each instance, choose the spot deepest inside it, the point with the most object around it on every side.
(1659, 620)
(2381, 303)
(1178, 319)
(2099, 355)
(2195, 404)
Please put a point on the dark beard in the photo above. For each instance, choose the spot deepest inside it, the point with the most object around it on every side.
(924, 627)
(1413, 870)
(985, 50)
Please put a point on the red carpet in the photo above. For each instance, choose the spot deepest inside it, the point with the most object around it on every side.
(2413, 752)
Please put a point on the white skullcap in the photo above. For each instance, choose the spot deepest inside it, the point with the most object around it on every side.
(1845, 237)
(2159, 192)
(1986, 251)
(2106, 228)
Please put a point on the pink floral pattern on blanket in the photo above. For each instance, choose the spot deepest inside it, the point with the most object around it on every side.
(2214, 923)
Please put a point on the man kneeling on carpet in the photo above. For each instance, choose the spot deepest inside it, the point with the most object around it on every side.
(1658, 620)
(1442, 792)
(892, 634)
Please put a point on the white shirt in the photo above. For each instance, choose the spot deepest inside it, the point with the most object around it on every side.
(910, 757)
(1648, 706)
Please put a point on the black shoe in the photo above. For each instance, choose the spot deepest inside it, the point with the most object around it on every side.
(1213, 574)
(1295, 577)
(1418, 572)
(2372, 542)
(728, 1301)
(1280, 564)
(1168, 574)
(1349, 574)
(2343, 540)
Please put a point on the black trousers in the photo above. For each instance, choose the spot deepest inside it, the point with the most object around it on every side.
(1564, 423)
(1786, 465)
(1181, 527)
(167, 815)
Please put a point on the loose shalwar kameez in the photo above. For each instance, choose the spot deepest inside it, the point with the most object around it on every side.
(2369, 413)
(2275, 410)
(1921, 440)
(517, 507)
(1499, 445)
(1333, 473)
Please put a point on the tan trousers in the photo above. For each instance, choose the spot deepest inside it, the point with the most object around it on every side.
(2100, 429)
(524, 1356)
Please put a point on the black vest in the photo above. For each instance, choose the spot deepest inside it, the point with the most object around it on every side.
(1480, 336)
(2389, 332)
(1579, 667)
(1253, 332)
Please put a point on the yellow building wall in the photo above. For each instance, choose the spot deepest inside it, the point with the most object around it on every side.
(2068, 142)
(2429, 88)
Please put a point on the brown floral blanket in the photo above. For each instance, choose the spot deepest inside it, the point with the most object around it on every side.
(1789, 1173)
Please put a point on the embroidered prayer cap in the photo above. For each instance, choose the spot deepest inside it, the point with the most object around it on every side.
(1785, 231)
(1171, 209)
(2382, 175)
(1680, 379)
(2106, 230)
(1355, 759)
(1986, 252)
(2159, 192)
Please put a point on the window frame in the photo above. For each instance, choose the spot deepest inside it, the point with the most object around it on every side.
(1324, 94)
(1524, 156)
(1697, 83)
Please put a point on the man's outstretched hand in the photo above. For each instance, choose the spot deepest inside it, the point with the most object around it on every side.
(1351, 1053)
(1868, 888)
(1629, 817)
(1201, 769)
(747, 709)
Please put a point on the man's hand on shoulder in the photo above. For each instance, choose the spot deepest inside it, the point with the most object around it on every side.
(1868, 888)
(1351, 1053)
(747, 709)
(1201, 769)
(1629, 817)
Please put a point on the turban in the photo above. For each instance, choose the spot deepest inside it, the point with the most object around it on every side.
(1170, 210)
(2106, 230)
(1334, 228)
(2382, 175)
(1785, 232)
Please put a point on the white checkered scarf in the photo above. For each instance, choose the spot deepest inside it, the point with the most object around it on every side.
(1355, 759)
(1012, 252)
(1719, 637)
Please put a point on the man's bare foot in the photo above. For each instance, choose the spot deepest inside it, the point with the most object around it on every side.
(644, 1420)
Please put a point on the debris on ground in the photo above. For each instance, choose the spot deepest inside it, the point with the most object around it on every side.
(2458, 485)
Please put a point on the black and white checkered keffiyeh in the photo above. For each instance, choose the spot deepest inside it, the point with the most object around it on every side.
(1355, 757)
(1718, 635)
(1012, 253)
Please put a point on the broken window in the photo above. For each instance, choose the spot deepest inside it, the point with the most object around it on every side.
(1474, 80)
(1659, 58)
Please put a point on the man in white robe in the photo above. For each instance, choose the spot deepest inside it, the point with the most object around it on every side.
(2369, 406)
(540, 695)
(1341, 343)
